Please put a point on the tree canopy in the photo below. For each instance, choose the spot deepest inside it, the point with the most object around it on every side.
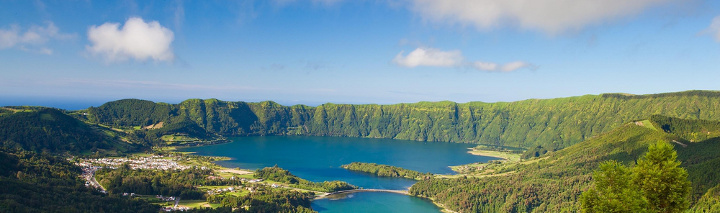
(656, 184)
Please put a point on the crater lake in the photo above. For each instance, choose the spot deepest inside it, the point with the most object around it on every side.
(319, 159)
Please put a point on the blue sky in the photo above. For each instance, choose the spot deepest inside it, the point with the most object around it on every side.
(353, 51)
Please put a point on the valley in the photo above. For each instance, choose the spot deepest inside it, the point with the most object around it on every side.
(546, 177)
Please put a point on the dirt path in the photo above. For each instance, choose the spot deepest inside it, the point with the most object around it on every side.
(236, 171)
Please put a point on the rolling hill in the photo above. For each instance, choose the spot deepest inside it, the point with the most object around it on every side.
(553, 183)
(551, 123)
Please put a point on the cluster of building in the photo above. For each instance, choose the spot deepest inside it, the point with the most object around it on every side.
(152, 162)
(171, 198)
(220, 191)
(252, 181)
(175, 208)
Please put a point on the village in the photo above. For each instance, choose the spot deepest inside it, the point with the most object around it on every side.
(150, 162)
(170, 162)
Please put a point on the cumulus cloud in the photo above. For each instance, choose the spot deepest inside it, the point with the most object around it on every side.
(33, 39)
(429, 57)
(437, 58)
(550, 16)
(714, 28)
(136, 39)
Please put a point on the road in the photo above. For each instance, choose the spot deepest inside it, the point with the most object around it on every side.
(404, 192)
(89, 175)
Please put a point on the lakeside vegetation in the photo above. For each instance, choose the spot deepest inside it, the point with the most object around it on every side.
(284, 176)
(507, 154)
(386, 170)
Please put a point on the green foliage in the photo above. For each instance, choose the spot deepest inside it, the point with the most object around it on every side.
(710, 202)
(656, 184)
(33, 182)
(662, 181)
(268, 200)
(385, 170)
(692, 130)
(701, 160)
(614, 191)
(535, 152)
(278, 174)
(130, 112)
(550, 123)
(158, 182)
(4, 111)
(554, 182)
(50, 130)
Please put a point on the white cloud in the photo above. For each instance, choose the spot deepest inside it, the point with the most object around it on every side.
(33, 39)
(136, 39)
(437, 58)
(550, 16)
(429, 57)
(516, 65)
(714, 28)
(485, 66)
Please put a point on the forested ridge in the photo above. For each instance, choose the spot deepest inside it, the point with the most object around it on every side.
(51, 130)
(550, 123)
(37, 182)
(553, 183)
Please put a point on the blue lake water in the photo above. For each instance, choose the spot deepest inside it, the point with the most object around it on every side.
(320, 158)
(375, 202)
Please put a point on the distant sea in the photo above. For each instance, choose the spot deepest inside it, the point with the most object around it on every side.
(60, 103)
(78, 103)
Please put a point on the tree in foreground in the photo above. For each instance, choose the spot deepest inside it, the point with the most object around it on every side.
(661, 179)
(614, 191)
(656, 184)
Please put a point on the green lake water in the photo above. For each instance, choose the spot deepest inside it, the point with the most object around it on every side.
(320, 158)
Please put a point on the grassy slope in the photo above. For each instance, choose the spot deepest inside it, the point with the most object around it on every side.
(51, 130)
(554, 183)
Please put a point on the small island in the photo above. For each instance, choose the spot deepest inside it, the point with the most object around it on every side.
(277, 174)
(386, 170)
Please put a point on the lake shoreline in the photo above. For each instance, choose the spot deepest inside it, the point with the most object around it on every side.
(496, 154)
(439, 207)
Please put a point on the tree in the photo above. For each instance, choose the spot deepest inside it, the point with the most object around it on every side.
(656, 184)
(662, 181)
(614, 191)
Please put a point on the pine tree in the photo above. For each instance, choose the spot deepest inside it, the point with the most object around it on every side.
(661, 179)
(656, 184)
(614, 191)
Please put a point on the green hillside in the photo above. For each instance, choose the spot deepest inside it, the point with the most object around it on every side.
(51, 130)
(553, 183)
(33, 182)
(551, 123)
